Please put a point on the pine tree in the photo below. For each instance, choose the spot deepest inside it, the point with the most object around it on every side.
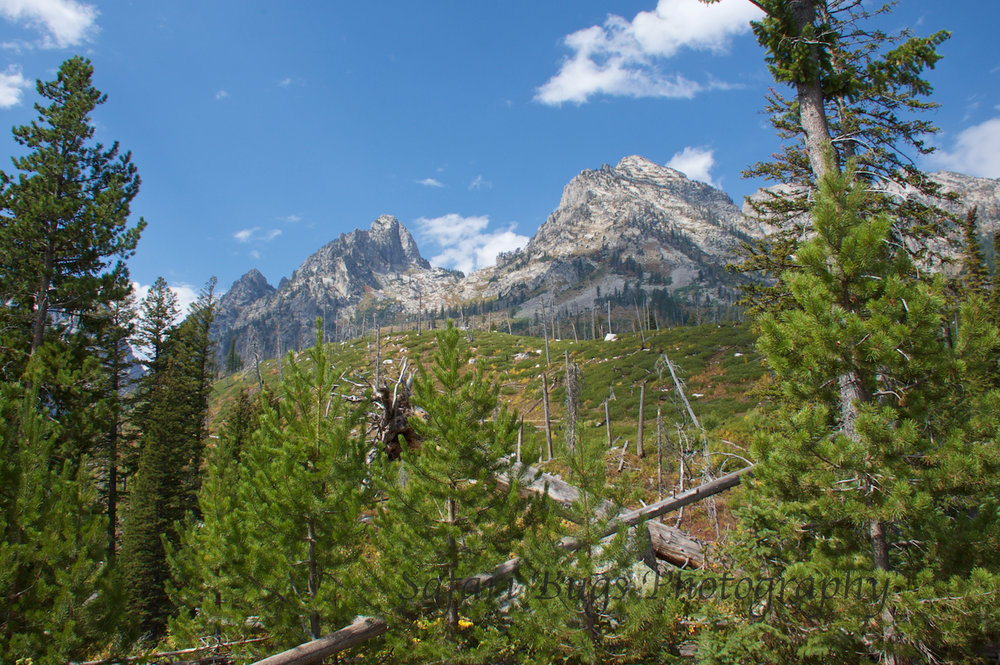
(282, 542)
(857, 93)
(212, 597)
(580, 604)
(64, 218)
(53, 579)
(446, 517)
(898, 493)
(172, 432)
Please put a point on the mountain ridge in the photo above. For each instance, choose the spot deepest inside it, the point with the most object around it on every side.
(630, 232)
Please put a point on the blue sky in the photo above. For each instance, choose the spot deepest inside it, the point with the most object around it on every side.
(263, 130)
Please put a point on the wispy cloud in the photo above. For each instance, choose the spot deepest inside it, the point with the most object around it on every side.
(12, 83)
(626, 58)
(222, 94)
(245, 234)
(63, 23)
(290, 219)
(430, 182)
(695, 163)
(976, 151)
(290, 81)
(255, 234)
(465, 243)
(479, 183)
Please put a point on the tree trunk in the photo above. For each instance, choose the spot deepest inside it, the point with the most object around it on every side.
(42, 301)
(812, 108)
(548, 422)
(314, 625)
(639, 450)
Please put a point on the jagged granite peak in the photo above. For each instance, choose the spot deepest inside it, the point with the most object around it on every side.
(635, 225)
(378, 269)
(251, 286)
(249, 290)
(671, 226)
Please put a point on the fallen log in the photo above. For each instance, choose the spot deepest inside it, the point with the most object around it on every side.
(551, 486)
(669, 543)
(630, 518)
(362, 630)
(675, 546)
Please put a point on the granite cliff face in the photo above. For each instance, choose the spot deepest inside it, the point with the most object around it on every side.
(375, 271)
(636, 225)
(635, 222)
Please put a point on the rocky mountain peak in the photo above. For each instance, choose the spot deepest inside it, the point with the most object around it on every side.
(387, 233)
(251, 286)
(636, 167)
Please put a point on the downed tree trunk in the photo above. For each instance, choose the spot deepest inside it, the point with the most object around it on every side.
(552, 486)
(669, 543)
(363, 629)
(675, 546)
(630, 518)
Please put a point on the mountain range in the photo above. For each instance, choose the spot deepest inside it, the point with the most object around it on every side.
(622, 235)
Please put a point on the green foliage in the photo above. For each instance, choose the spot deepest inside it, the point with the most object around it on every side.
(445, 516)
(858, 92)
(171, 421)
(898, 494)
(57, 600)
(63, 218)
(280, 536)
(576, 601)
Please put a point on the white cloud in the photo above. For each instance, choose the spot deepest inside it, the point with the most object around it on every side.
(625, 57)
(245, 234)
(695, 163)
(290, 219)
(430, 182)
(62, 22)
(976, 151)
(255, 234)
(12, 82)
(222, 94)
(479, 183)
(465, 242)
(254, 254)
(186, 294)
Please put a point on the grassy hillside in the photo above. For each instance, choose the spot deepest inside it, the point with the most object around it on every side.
(717, 365)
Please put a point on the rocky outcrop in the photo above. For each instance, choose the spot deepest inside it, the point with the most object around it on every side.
(635, 222)
(378, 271)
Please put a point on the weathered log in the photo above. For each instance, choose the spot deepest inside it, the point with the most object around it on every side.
(363, 629)
(675, 546)
(552, 486)
(630, 518)
(669, 543)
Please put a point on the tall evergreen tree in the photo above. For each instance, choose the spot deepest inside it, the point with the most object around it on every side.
(53, 575)
(903, 493)
(64, 230)
(446, 516)
(857, 93)
(280, 537)
(172, 433)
